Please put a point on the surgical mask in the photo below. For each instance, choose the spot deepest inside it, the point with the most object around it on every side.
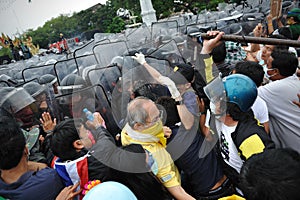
(266, 69)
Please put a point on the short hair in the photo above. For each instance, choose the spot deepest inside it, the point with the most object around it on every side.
(169, 104)
(12, 141)
(251, 69)
(236, 113)
(141, 88)
(64, 134)
(273, 174)
(219, 53)
(136, 112)
(285, 62)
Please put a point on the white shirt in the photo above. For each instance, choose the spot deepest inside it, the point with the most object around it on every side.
(228, 149)
(260, 110)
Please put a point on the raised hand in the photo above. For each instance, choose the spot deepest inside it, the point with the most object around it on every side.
(140, 58)
(47, 123)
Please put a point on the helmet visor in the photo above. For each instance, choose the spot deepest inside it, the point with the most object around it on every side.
(216, 93)
(16, 100)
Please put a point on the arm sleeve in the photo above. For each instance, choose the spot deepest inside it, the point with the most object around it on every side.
(251, 145)
(106, 151)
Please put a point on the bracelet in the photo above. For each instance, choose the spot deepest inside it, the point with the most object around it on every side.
(203, 113)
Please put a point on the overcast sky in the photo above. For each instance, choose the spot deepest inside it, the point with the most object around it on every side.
(19, 15)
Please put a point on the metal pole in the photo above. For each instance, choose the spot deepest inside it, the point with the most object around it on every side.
(255, 40)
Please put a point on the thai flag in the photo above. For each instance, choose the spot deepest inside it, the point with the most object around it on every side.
(74, 171)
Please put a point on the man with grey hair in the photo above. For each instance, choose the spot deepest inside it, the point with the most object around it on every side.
(144, 126)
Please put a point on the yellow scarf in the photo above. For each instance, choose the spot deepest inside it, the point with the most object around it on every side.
(156, 130)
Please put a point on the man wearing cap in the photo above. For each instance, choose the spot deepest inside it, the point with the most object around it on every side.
(293, 20)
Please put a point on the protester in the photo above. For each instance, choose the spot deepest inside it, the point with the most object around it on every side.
(240, 135)
(254, 71)
(279, 96)
(293, 20)
(203, 184)
(71, 143)
(259, 182)
(18, 181)
(144, 127)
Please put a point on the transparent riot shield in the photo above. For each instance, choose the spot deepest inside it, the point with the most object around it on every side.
(104, 53)
(163, 28)
(107, 77)
(169, 51)
(52, 103)
(137, 75)
(84, 56)
(93, 98)
(37, 71)
(85, 49)
(138, 37)
(64, 67)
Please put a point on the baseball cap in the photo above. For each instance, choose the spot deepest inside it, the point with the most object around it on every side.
(185, 75)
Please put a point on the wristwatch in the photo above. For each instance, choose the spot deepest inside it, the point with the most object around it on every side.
(179, 102)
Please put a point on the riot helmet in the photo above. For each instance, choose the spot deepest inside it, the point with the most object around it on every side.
(34, 89)
(47, 79)
(71, 83)
(236, 88)
(14, 99)
(240, 90)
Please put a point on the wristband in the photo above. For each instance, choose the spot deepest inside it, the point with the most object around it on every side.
(177, 103)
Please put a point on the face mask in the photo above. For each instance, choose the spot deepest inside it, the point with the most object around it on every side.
(31, 137)
(157, 131)
(266, 69)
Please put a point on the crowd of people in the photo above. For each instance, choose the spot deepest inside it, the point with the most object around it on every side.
(171, 136)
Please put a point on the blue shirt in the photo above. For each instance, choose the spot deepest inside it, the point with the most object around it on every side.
(40, 185)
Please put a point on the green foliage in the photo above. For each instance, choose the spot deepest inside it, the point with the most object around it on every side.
(116, 26)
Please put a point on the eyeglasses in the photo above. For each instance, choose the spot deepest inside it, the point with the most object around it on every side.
(157, 118)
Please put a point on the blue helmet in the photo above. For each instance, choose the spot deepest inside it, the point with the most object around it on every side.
(110, 190)
(241, 90)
